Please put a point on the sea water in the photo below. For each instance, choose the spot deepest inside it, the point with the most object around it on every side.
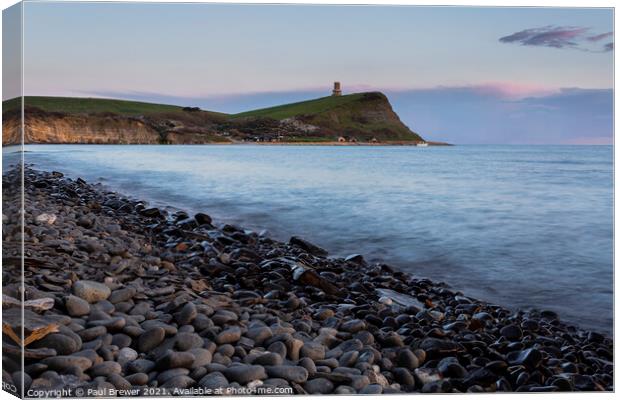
(519, 226)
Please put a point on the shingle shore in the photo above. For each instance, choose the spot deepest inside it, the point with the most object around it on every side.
(156, 303)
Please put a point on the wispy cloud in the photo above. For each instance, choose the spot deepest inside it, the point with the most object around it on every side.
(559, 37)
(602, 36)
(548, 36)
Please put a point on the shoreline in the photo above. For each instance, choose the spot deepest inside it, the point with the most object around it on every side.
(430, 144)
(294, 317)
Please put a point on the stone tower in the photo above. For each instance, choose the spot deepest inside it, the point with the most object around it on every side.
(337, 91)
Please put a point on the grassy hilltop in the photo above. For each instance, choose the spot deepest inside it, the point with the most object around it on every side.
(78, 105)
(90, 105)
(315, 106)
(359, 117)
(363, 116)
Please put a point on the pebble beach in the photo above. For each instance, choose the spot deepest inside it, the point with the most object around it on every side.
(136, 300)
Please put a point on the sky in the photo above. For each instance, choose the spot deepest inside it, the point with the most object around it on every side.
(458, 74)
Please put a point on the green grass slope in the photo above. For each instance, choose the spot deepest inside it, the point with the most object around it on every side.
(89, 105)
(315, 106)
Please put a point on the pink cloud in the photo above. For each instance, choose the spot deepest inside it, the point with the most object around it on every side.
(514, 90)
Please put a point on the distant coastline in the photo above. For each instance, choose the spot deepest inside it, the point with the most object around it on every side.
(332, 143)
(353, 119)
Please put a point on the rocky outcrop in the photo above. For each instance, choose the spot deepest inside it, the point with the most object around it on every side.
(52, 128)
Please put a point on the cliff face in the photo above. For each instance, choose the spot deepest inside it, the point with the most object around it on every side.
(50, 128)
(81, 129)
(10, 131)
(88, 129)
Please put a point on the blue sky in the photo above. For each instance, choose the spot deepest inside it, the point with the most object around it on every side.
(445, 69)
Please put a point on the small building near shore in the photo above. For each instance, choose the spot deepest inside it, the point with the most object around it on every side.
(341, 139)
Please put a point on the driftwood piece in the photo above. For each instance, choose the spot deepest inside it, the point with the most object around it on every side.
(8, 330)
(35, 326)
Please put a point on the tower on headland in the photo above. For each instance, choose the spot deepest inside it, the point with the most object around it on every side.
(336, 91)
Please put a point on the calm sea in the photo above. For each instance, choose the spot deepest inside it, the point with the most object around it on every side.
(520, 226)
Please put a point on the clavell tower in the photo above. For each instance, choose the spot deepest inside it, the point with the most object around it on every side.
(337, 91)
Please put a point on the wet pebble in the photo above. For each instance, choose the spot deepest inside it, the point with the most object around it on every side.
(511, 332)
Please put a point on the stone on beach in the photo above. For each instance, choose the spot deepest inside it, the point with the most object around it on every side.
(151, 339)
(245, 373)
(290, 373)
(230, 335)
(91, 291)
(76, 306)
